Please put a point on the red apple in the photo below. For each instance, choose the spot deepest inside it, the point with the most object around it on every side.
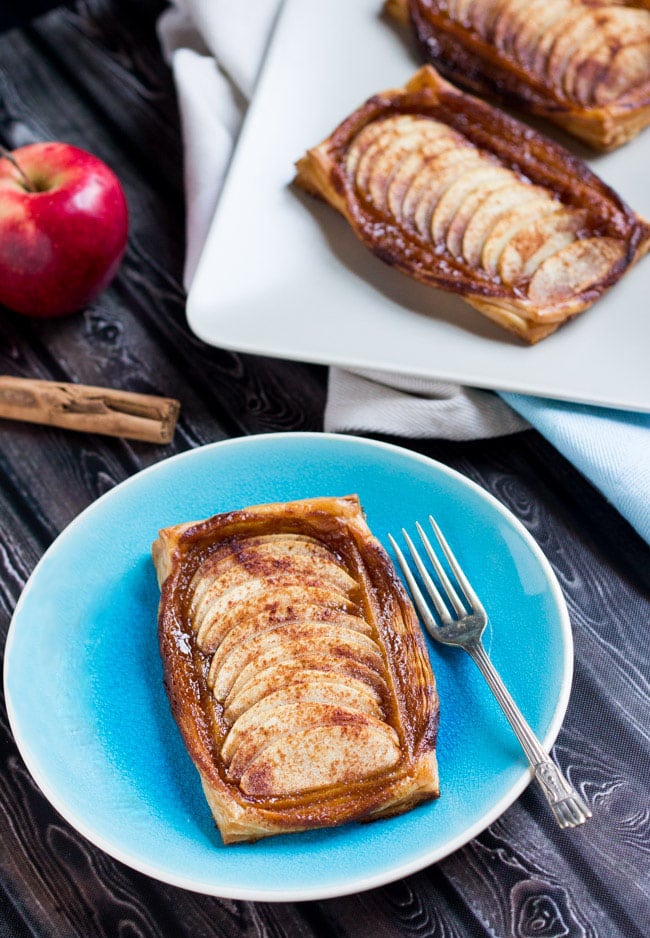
(63, 228)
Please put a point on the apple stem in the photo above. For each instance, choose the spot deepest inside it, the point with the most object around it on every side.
(8, 155)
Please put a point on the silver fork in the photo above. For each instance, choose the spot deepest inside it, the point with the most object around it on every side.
(464, 628)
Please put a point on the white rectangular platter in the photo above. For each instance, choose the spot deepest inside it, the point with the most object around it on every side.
(282, 275)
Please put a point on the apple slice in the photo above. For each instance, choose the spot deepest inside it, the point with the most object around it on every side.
(508, 23)
(288, 719)
(391, 130)
(322, 756)
(442, 172)
(470, 179)
(292, 638)
(284, 678)
(368, 135)
(529, 248)
(500, 177)
(510, 224)
(490, 210)
(388, 160)
(409, 182)
(485, 15)
(574, 269)
(251, 629)
(275, 669)
(318, 687)
(629, 67)
(537, 28)
(315, 691)
(546, 42)
(282, 604)
(461, 11)
(408, 169)
(577, 29)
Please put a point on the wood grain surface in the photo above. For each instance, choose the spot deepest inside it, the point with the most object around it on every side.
(91, 73)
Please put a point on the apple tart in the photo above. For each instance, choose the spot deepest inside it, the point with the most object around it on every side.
(295, 668)
(462, 197)
(582, 64)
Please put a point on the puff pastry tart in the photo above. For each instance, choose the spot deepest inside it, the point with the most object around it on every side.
(295, 668)
(460, 196)
(583, 64)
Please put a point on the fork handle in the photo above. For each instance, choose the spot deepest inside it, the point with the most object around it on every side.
(567, 805)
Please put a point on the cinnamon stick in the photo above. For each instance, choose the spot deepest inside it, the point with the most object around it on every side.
(89, 409)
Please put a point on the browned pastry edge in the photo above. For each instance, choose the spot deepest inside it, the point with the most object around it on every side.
(465, 58)
(338, 522)
(322, 173)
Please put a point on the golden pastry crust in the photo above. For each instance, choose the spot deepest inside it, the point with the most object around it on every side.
(460, 196)
(295, 668)
(582, 64)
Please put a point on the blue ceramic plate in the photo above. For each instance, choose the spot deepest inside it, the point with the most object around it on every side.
(84, 689)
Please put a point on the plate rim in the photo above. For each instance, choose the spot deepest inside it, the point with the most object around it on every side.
(388, 875)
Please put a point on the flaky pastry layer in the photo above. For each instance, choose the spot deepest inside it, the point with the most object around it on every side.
(458, 195)
(295, 668)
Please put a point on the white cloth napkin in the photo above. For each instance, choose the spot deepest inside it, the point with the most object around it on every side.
(215, 49)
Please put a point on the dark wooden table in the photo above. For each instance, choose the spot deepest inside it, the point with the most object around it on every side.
(91, 73)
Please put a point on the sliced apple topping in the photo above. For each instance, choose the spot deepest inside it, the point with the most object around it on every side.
(485, 15)
(316, 689)
(462, 201)
(443, 173)
(475, 178)
(536, 19)
(369, 136)
(272, 606)
(337, 753)
(274, 669)
(510, 18)
(460, 10)
(498, 178)
(250, 629)
(314, 684)
(509, 225)
(574, 30)
(530, 247)
(497, 206)
(295, 666)
(574, 269)
(225, 586)
(409, 168)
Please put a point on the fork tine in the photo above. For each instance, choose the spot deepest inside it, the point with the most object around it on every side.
(431, 588)
(418, 598)
(463, 582)
(447, 585)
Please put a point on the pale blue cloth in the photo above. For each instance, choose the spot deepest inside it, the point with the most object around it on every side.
(610, 447)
